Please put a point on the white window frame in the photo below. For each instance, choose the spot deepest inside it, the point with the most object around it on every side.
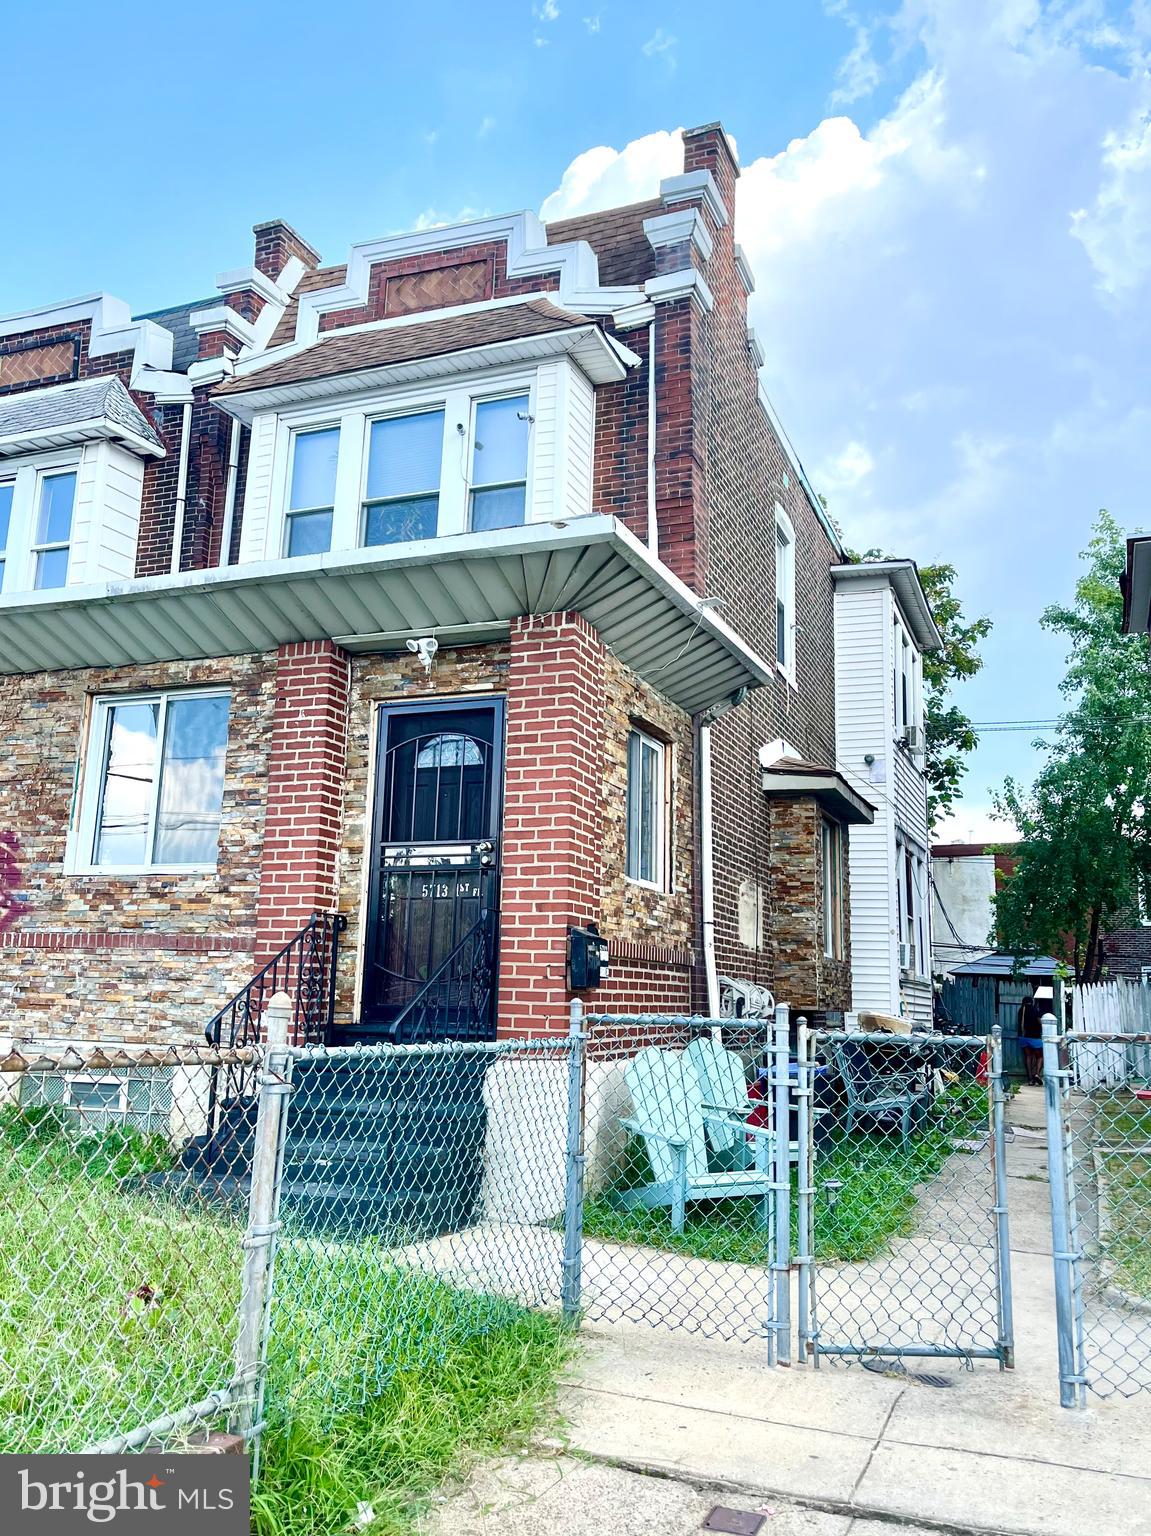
(91, 1079)
(832, 840)
(458, 404)
(785, 595)
(661, 860)
(26, 475)
(912, 924)
(290, 512)
(7, 552)
(82, 844)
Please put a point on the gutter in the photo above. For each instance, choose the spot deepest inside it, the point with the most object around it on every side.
(230, 494)
(652, 514)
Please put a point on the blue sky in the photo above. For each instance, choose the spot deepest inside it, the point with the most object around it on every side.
(947, 204)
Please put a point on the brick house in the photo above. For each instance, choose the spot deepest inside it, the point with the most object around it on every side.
(465, 592)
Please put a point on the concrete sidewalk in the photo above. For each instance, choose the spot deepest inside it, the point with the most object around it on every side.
(663, 1425)
(990, 1452)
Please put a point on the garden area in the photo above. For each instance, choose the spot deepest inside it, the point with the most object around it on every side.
(1121, 1152)
(120, 1305)
(868, 1187)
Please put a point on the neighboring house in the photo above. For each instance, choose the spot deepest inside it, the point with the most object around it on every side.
(464, 592)
(883, 625)
(964, 880)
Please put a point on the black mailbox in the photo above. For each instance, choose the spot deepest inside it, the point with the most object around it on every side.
(587, 958)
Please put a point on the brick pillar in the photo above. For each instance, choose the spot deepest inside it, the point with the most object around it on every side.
(553, 814)
(298, 873)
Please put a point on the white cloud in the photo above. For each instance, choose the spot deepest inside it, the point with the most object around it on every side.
(1116, 229)
(924, 297)
(546, 10)
(606, 178)
(661, 44)
(486, 126)
(592, 23)
(859, 72)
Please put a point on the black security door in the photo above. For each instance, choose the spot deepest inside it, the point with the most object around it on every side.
(433, 900)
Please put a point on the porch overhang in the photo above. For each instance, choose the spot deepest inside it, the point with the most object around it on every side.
(463, 589)
(829, 789)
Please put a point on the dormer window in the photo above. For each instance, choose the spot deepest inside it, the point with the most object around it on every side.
(402, 496)
(55, 503)
(500, 463)
(312, 494)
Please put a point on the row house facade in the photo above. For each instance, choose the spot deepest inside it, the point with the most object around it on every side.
(442, 602)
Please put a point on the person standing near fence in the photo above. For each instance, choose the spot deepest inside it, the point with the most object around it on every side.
(1031, 1039)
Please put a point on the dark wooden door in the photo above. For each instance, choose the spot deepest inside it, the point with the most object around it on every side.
(430, 957)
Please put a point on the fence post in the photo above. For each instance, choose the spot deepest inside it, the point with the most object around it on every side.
(576, 1159)
(1062, 1256)
(259, 1241)
(805, 1182)
(1002, 1227)
(781, 1181)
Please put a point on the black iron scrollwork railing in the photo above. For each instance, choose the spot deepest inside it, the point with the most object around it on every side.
(306, 970)
(455, 1002)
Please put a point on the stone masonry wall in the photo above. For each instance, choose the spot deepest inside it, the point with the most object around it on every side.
(132, 957)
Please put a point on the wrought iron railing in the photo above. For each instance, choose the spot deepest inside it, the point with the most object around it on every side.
(306, 970)
(456, 1001)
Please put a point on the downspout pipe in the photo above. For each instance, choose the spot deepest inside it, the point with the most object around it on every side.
(230, 494)
(181, 488)
(704, 723)
(652, 513)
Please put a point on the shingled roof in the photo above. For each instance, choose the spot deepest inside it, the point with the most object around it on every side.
(616, 236)
(351, 351)
(71, 413)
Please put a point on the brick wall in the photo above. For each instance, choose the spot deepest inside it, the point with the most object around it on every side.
(99, 956)
(802, 974)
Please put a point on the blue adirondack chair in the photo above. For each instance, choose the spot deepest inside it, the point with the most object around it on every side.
(724, 1083)
(671, 1116)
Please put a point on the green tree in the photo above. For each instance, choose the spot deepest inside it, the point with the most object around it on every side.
(949, 736)
(1085, 844)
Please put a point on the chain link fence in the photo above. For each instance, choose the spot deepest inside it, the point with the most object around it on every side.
(683, 1226)
(901, 1190)
(1098, 1096)
(197, 1239)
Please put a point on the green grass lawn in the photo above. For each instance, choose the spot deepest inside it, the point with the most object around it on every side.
(120, 1305)
(1122, 1136)
(876, 1200)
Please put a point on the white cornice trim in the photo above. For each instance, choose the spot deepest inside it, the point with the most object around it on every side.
(743, 267)
(681, 285)
(250, 279)
(166, 388)
(528, 255)
(635, 314)
(210, 370)
(758, 355)
(695, 184)
(676, 228)
(222, 317)
(113, 329)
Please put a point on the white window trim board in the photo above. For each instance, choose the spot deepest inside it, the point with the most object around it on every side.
(81, 841)
(784, 526)
(662, 852)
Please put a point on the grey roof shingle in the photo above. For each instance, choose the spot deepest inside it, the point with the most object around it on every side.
(64, 406)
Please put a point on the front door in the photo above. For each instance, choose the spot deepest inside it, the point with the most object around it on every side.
(429, 963)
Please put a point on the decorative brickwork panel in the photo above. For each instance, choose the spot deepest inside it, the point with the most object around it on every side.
(468, 283)
(37, 365)
(123, 957)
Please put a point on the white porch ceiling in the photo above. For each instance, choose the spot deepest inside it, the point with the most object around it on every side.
(463, 589)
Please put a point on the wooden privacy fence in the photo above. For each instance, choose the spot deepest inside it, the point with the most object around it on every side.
(1120, 1007)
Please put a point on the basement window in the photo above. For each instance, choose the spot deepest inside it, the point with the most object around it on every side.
(646, 809)
(154, 783)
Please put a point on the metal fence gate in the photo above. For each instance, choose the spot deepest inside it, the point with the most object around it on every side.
(902, 1238)
(1097, 1088)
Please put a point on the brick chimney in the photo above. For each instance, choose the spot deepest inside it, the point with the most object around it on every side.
(709, 149)
(277, 243)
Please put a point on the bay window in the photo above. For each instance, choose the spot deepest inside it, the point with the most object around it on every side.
(500, 463)
(154, 782)
(55, 502)
(402, 493)
(312, 492)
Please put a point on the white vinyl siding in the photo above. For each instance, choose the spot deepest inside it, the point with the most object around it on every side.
(560, 402)
(865, 720)
(105, 518)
